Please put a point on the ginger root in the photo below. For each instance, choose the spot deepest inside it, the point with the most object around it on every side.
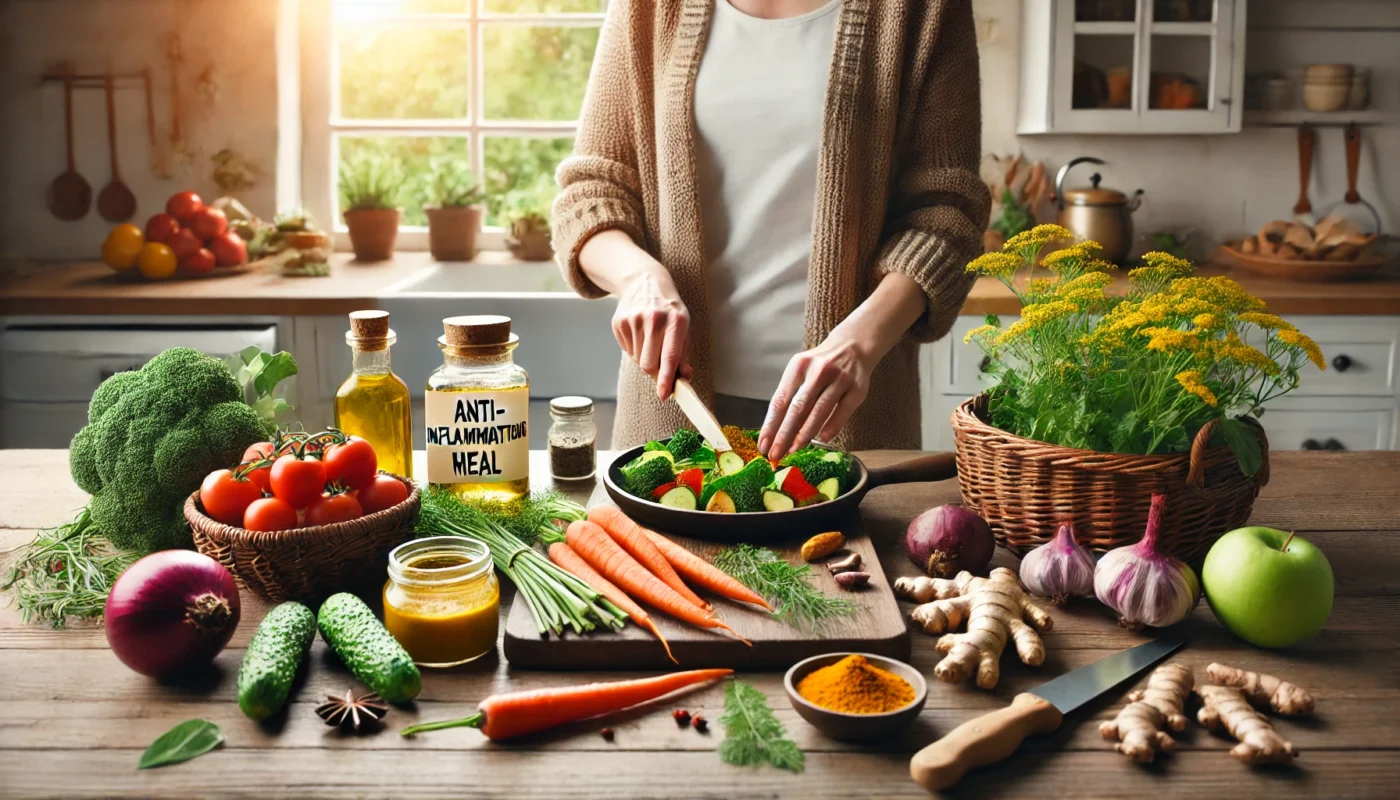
(995, 609)
(1138, 726)
(1226, 707)
(1264, 691)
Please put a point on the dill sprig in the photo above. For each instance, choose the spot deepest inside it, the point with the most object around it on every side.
(531, 516)
(66, 571)
(788, 587)
(752, 735)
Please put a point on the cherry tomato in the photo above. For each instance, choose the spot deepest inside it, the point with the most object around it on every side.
(269, 514)
(209, 223)
(161, 228)
(353, 463)
(329, 510)
(262, 475)
(185, 242)
(183, 206)
(381, 493)
(225, 498)
(229, 249)
(200, 262)
(297, 481)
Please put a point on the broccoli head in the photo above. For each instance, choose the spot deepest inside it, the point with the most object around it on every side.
(746, 486)
(684, 443)
(153, 435)
(643, 476)
(816, 467)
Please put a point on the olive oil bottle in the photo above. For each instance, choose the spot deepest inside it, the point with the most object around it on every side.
(477, 409)
(373, 403)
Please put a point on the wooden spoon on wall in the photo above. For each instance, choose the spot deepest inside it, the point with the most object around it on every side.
(115, 203)
(69, 196)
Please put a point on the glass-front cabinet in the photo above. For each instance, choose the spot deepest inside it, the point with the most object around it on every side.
(1132, 66)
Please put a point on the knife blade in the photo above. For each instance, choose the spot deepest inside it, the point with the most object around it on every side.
(994, 736)
(700, 415)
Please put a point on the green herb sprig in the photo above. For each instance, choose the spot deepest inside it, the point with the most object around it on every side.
(752, 735)
(66, 571)
(788, 587)
(187, 740)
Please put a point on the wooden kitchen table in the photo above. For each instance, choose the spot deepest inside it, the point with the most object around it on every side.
(73, 720)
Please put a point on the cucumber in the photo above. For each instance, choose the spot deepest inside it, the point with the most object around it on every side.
(729, 462)
(720, 503)
(270, 663)
(368, 649)
(780, 476)
(776, 501)
(829, 488)
(833, 455)
(680, 497)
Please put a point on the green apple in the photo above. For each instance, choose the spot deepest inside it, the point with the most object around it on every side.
(1269, 587)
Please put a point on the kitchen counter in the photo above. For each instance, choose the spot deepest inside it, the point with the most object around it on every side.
(76, 721)
(92, 288)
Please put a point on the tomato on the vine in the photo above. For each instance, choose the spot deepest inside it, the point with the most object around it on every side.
(225, 497)
(352, 463)
(259, 451)
(383, 492)
(330, 509)
(270, 514)
(298, 481)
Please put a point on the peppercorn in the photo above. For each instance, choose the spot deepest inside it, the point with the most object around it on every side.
(700, 724)
(607, 734)
(681, 716)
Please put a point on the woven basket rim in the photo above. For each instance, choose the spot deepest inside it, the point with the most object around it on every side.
(965, 409)
(196, 517)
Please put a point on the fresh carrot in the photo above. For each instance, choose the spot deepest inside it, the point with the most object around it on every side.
(703, 573)
(571, 562)
(612, 562)
(633, 539)
(506, 716)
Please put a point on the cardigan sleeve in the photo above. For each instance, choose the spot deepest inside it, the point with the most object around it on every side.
(599, 186)
(939, 205)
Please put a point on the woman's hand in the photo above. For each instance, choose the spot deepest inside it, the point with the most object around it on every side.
(820, 390)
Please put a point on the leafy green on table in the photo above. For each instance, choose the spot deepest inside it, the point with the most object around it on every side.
(752, 735)
(787, 586)
(183, 742)
(66, 571)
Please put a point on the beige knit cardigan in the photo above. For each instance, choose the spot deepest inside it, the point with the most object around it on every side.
(898, 188)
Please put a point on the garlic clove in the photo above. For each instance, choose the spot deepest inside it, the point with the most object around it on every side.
(1145, 585)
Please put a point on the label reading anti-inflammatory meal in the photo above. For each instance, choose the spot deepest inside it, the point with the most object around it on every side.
(477, 437)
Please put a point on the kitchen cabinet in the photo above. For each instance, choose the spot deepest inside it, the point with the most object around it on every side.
(1353, 405)
(1132, 66)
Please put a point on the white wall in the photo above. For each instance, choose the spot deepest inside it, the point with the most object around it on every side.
(1223, 185)
(228, 94)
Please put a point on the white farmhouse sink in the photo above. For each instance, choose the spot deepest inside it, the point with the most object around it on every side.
(531, 277)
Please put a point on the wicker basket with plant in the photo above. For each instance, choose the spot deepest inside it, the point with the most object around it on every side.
(1103, 399)
(452, 203)
(369, 193)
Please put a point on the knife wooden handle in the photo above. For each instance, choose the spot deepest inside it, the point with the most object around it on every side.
(982, 740)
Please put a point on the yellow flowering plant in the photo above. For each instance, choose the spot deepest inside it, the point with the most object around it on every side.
(1141, 371)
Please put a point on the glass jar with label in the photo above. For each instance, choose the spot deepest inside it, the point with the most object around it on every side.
(442, 601)
(477, 408)
(572, 439)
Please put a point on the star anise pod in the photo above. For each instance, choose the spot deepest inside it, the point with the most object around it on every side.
(360, 711)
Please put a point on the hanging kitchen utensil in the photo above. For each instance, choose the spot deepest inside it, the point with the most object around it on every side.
(994, 736)
(1103, 215)
(159, 160)
(69, 196)
(1353, 207)
(115, 202)
(1302, 210)
(177, 135)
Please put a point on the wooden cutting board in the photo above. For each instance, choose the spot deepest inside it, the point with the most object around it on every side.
(877, 627)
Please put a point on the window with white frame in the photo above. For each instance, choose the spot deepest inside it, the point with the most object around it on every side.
(495, 83)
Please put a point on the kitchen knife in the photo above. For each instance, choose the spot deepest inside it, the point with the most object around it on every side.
(996, 735)
(699, 415)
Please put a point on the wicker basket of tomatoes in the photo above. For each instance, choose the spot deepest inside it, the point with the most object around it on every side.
(304, 516)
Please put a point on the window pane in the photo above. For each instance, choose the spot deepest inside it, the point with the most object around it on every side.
(379, 8)
(536, 73)
(402, 71)
(1105, 10)
(520, 173)
(1103, 72)
(1183, 10)
(542, 6)
(414, 155)
(1180, 72)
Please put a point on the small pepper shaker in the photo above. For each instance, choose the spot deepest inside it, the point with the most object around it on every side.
(573, 439)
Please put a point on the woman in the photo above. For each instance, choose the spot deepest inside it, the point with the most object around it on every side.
(781, 195)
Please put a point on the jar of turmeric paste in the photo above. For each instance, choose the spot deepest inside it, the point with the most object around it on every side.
(442, 601)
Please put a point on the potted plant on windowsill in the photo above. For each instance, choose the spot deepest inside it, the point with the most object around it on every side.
(1103, 399)
(453, 206)
(529, 238)
(369, 193)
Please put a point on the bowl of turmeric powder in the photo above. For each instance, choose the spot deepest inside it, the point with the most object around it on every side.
(856, 696)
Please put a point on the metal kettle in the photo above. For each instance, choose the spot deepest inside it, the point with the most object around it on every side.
(1104, 215)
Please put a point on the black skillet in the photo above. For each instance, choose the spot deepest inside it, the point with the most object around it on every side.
(766, 525)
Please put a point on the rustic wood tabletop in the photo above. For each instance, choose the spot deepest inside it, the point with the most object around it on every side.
(73, 720)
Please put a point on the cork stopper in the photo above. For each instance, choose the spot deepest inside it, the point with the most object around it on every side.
(369, 330)
(477, 330)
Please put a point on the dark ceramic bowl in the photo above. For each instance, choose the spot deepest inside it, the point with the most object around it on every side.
(856, 727)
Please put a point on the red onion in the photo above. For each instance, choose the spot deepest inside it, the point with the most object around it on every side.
(171, 610)
(946, 540)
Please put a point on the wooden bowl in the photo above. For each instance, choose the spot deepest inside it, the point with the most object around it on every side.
(855, 727)
(1296, 269)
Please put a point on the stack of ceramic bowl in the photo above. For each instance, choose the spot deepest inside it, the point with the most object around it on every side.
(1326, 87)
